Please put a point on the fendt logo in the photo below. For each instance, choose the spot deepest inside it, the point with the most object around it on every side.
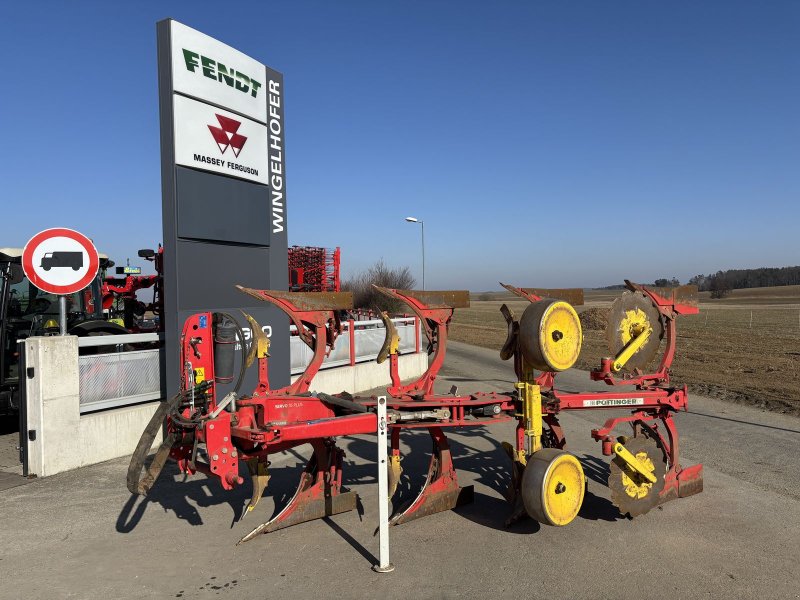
(225, 135)
(215, 70)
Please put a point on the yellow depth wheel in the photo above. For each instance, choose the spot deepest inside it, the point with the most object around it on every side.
(553, 486)
(550, 335)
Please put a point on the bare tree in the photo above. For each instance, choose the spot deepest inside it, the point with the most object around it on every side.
(720, 287)
(367, 297)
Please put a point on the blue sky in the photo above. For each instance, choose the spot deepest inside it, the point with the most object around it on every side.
(543, 143)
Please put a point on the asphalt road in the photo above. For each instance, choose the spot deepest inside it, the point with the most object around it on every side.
(81, 535)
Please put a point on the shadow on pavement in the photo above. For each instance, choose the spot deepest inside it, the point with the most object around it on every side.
(490, 468)
(596, 508)
(595, 469)
(184, 495)
(368, 556)
(493, 512)
(173, 494)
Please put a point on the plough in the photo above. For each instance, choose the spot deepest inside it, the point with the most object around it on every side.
(213, 435)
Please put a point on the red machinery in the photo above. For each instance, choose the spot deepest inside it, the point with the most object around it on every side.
(313, 269)
(116, 290)
(212, 435)
(637, 323)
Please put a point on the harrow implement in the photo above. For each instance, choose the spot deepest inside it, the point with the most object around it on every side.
(212, 435)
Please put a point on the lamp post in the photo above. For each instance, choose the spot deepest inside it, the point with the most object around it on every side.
(422, 223)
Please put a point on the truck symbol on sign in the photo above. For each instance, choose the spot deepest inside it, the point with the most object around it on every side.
(62, 260)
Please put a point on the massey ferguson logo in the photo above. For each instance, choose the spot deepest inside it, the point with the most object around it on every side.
(225, 135)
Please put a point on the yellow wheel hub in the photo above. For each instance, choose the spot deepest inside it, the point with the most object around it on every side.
(553, 486)
(635, 485)
(634, 332)
(632, 324)
(550, 335)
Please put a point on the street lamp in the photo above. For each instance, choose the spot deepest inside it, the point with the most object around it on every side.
(422, 223)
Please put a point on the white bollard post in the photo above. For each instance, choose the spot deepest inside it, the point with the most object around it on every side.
(384, 565)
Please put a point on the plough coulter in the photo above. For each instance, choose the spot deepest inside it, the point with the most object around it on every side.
(211, 434)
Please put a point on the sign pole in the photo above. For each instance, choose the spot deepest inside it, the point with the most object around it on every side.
(384, 565)
(62, 314)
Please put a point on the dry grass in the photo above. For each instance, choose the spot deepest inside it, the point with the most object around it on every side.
(719, 352)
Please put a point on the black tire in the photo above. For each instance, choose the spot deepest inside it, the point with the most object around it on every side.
(97, 328)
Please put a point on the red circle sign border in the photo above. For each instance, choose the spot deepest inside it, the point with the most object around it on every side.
(33, 243)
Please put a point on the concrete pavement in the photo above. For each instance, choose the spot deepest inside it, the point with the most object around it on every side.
(81, 535)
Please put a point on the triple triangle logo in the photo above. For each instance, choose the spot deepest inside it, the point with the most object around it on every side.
(225, 135)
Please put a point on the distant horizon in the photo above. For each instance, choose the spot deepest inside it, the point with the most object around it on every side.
(621, 285)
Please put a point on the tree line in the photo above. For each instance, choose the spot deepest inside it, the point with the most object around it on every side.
(721, 282)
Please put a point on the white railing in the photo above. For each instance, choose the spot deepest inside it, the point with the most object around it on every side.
(118, 340)
(364, 337)
(127, 376)
(124, 377)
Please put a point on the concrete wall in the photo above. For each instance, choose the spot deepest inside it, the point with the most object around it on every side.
(64, 439)
(367, 375)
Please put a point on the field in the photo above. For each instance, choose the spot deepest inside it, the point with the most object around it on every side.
(743, 348)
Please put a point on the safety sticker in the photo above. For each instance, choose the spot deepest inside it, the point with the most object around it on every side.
(202, 321)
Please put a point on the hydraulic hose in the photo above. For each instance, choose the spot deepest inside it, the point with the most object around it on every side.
(138, 484)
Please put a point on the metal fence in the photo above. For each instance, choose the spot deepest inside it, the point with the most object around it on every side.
(365, 338)
(117, 379)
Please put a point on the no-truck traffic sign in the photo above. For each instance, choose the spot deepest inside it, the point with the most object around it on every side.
(60, 261)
